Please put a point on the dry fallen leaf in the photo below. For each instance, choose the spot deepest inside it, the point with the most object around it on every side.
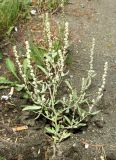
(19, 128)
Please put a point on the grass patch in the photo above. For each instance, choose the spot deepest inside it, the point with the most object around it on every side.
(9, 14)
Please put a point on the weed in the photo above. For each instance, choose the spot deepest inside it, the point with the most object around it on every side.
(64, 114)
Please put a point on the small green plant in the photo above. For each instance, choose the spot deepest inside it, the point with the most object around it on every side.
(64, 114)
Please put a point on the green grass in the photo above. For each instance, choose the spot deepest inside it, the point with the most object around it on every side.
(9, 14)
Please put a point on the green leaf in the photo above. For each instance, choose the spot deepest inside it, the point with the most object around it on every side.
(94, 113)
(37, 53)
(50, 130)
(86, 82)
(25, 95)
(67, 119)
(11, 67)
(81, 112)
(43, 70)
(4, 80)
(68, 84)
(19, 87)
(55, 139)
(31, 107)
(56, 45)
(1, 56)
(57, 128)
(10, 30)
(64, 135)
(81, 125)
(69, 59)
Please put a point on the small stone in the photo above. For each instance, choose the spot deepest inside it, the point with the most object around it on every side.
(33, 12)
(74, 145)
(99, 123)
(4, 97)
(102, 158)
(86, 145)
(71, 76)
(83, 132)
(82, 5)
(15, 28)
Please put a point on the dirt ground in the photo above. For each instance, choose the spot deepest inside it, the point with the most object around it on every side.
(87, 19)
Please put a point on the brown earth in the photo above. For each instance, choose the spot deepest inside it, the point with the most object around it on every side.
(87, 19)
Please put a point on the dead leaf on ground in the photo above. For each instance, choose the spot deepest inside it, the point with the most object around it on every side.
(19, 128)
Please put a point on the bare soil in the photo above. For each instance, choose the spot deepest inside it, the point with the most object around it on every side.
(87, 19)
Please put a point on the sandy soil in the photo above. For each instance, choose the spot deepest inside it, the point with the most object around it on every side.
(87, 19)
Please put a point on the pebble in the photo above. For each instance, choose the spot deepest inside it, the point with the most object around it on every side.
(16, 29)
(82, 5)
(33, 12)
(99, 123)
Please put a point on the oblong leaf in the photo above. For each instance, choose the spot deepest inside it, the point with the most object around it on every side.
(4, 80)
(68, 84)
(11, 67)
(67, 119)
(31, 108)
(94, 113)
(43, 70)
(1, 56)
(50, 130)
